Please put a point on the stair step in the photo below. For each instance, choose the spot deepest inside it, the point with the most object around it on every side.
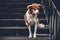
(13, 22)
(11, 1)
(18, 16)
(6, 1)
(16, 27)
(13, 5)
(16, 19)
(14, 10)
(23, 38)
(23, 32)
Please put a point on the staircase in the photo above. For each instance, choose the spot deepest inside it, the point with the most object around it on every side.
(12, 24)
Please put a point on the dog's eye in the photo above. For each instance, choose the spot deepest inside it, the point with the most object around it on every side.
(38, 8)
(34, 9)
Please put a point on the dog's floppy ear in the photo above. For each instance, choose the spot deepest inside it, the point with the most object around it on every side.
(29, 6)
(40, 5)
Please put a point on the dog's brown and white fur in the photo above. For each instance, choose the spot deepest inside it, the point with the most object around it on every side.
(31, 18)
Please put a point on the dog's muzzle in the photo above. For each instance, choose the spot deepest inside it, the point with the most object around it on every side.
(36, 12)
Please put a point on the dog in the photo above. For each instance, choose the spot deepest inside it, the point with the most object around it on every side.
(31, 18)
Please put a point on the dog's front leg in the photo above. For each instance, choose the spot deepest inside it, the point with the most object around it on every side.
(30, 33)
(35, 30)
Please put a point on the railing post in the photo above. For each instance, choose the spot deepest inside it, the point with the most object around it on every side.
(51, 12)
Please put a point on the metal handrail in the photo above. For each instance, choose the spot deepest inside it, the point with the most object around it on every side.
(54, 20)
(51, 8)
(55, 7)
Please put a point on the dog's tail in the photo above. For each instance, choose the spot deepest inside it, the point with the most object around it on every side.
(41, 25)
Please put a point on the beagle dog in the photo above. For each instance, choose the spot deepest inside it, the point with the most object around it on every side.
(31, 18)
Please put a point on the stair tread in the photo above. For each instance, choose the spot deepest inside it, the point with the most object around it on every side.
(16, 27)
(16, 22)
(16, 3)
(2, 1)
(24, 38)
(23, 32)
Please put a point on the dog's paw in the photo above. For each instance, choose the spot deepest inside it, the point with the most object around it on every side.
(41, 25)
(30, 36)
(34, 36)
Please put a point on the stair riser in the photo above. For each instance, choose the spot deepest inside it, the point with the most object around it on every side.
(14, 5)
(14, 10)
(13, 23)
(17, 16)
(11, 1)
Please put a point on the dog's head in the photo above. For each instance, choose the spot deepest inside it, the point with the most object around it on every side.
(34, 8)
